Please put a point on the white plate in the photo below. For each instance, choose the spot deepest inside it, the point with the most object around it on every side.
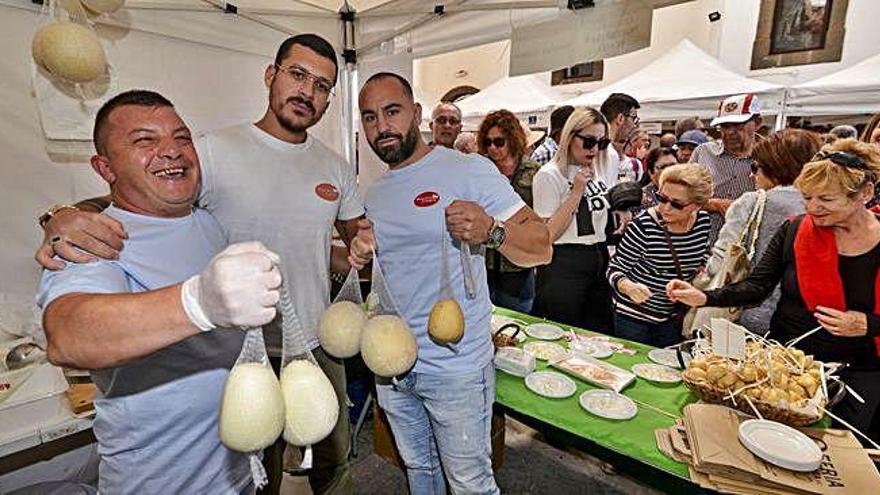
(545, 351)
(657, 373)
(781, 445)
(551, 384)
(591, 348)
(544, 331)
(666, 357)
(608, 404)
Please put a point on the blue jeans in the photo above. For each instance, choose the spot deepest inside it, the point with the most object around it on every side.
(656, 334)
(442, 424)
(514, 291)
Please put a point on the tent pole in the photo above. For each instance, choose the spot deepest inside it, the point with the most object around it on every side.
(349, 83)
(781, 116)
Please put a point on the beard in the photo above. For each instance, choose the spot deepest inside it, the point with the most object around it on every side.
(297, 122)
(392, 155)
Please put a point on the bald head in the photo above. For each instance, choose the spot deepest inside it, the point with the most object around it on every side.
(445, 124)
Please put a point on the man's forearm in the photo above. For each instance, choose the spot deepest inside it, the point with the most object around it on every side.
(527, 242)
(94, 331)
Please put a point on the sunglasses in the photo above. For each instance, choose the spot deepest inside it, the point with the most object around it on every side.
(755, 167)
(443, 120)
(589, 142)
(662, 198)
(499, 142)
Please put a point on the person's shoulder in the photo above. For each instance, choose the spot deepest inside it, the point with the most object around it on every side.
(222, 134)
(709, 149)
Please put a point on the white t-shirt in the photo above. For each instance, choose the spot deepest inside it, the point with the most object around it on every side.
(407, 207)
(549, 190)
(286, 195)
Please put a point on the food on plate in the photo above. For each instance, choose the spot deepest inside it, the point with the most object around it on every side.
(595, 371)
(340, 329)
(252, 409)
(545, 351)
(446, 322)
(657, 373)
(608, 404)
(311, 406)
(550, 384)
(388, 346)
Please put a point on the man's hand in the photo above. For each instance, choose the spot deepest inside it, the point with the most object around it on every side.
(639, 293)
(468, 222)
(681, 291)
(360, 251)
(239, 288)
(718, 205)
(842, 323)
(80, 236)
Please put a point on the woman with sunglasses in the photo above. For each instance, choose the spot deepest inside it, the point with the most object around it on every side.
(502, 139)
(662, 243)
(778, 160)
(828, 264)
(570, 192)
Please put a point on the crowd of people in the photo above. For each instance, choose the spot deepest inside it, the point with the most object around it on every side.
(595, 226)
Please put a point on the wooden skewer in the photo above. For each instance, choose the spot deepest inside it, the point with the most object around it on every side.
(655, 409)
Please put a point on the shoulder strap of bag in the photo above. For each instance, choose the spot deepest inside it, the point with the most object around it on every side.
(672, 250)
(753, 224)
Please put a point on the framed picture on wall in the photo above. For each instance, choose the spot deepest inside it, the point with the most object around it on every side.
(798, 32)
(580, 73)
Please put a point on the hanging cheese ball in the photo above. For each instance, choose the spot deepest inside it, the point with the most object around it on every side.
(446, 322)
(252, 410)
(69, 51)
(388, 346)
(311, 406)
(103, 6)
(340, 329)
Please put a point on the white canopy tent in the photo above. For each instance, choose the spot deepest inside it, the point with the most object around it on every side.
(683, 82)
(208, 56)
(854, 90)
(526, 96)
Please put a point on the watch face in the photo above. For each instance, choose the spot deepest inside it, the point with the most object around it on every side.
(496, 237)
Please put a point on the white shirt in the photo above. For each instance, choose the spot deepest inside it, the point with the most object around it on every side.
(286, 195)
(550, 188)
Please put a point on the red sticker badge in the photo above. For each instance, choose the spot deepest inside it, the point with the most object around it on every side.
(327, 191)
(426, 199)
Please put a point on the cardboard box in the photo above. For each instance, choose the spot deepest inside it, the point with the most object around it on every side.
(383, 439)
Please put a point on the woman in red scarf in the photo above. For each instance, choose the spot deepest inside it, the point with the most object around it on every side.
(827, 263)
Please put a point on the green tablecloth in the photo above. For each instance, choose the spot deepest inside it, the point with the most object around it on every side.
(633, 438)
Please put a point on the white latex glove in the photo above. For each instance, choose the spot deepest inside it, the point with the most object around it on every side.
(239, 288)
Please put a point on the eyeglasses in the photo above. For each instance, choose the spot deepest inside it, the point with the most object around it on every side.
(662, 198)
(635, 118)
(499, 142)
(590, 141)
(444, 120)
(322, 86)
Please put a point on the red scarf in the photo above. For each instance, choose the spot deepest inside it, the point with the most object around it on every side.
(815, 258)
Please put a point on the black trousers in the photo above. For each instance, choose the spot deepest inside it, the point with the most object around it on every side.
(573, 289)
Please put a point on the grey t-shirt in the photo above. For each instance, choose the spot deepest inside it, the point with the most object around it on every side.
(286, 195)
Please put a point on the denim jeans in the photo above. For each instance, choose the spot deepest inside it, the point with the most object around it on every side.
(661, 334)
(442, 424)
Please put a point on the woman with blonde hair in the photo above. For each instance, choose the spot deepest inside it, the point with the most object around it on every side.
(570, 192)
(828, 264)
(662, 243)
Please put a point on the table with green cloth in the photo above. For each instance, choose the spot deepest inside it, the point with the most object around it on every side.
(629, 445)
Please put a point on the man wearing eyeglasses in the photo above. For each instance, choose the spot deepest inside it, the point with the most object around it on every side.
(269, 181)
(445, 124)
(730, 161)
(622, 113)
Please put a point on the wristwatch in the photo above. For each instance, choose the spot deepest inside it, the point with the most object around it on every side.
(45, 217)
(497, 234)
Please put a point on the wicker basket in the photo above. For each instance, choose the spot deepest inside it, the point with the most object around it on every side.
(501, 339)
(787, 414)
